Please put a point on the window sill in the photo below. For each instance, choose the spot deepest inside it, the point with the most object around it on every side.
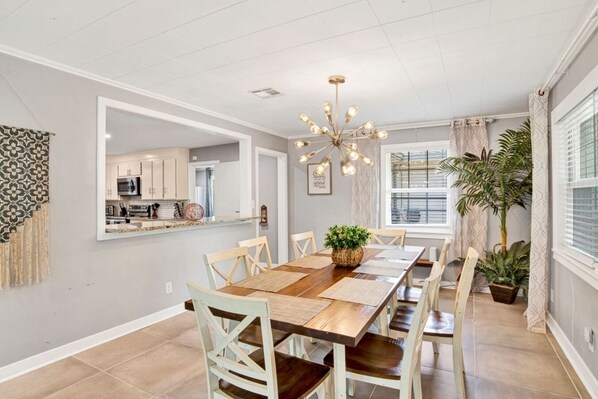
(588, 273)
(438, 233)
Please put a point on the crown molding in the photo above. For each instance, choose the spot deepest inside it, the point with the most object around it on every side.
(97, 78)
(420, 125)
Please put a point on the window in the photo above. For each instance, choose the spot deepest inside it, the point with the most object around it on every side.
(414, 195)
(577, 186)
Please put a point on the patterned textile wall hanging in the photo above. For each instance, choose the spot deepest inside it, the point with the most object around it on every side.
(24, 202)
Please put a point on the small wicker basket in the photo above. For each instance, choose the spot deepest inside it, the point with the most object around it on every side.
(347, 257)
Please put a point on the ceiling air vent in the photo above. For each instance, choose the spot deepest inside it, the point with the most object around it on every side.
(266, 93)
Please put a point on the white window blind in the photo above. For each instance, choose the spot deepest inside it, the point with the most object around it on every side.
(415, 194)
(577, 135)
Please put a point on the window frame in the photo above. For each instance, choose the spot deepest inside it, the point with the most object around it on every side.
(415, 230)
(583, 265)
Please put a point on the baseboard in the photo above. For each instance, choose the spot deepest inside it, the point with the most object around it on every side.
(585, 375)
(42, 359)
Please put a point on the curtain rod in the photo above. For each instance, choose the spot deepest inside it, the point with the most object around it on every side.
(579, 41)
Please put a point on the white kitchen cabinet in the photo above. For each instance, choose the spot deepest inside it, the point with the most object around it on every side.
(131, 168)
(111, 184)
(158, 180)
(170, 177)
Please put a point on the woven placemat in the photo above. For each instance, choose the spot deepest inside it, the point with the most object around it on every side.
(271, 280)
(398, 254)
(382, 268)
(365, 292)
(291, 309)
(312, 262)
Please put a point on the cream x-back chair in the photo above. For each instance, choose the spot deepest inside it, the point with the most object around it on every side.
(231, 373)
(411, 295)
(304, 244)
(441, 327)
(230, 266)
(256, 247)
(389, 362)
(391, 237)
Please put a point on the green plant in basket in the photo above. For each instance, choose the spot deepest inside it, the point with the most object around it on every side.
(349, 237)
(346, 243)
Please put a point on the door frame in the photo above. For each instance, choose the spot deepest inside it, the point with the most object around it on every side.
(282, 199)
(193, 166)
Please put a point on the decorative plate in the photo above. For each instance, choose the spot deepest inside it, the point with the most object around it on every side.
(193, 211)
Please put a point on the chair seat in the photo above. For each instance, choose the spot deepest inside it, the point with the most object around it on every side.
(375, 356)
(439, 324)
(296, 377)
(252, 335)
(408, 294)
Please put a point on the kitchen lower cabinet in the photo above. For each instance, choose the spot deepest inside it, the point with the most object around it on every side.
(111, 183)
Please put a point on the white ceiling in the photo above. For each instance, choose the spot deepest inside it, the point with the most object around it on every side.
(405, 60)
(133, 133)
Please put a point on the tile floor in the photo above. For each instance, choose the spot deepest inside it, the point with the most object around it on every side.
(502, 360)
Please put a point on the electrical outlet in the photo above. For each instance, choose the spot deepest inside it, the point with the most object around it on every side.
(551, 295)
(589, 337)
(169, 287)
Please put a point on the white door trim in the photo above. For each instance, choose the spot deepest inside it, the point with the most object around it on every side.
(281, 195)
(191, 176)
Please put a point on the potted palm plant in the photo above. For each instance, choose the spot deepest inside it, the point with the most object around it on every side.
(346, 243)
(498, 181)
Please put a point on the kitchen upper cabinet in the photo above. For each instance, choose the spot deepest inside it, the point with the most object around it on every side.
(111, 184)
(131, 168)
(158, 180)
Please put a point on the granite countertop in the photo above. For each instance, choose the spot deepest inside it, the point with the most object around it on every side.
(145, 224)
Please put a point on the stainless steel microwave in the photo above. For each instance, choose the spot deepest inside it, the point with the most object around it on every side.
(129, 186)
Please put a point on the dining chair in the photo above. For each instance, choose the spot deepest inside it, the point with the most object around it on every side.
(387, 236)
(301, 242)
(265, 373)
(230, 266)
(391, 237)
(389, 362)
(411, 295)
(442, 327)
(256, 247)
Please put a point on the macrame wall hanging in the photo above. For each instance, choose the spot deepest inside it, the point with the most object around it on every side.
(24, 202)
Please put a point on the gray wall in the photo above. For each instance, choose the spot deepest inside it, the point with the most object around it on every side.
(222, 153)
(94, 285)
(575, 301)
(318, 212)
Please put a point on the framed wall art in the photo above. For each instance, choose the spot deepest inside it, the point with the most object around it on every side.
(318, 185)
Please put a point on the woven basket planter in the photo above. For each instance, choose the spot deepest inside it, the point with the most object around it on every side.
(347, 257)
(503, 293)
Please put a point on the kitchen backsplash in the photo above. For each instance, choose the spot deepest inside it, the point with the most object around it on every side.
(165, 211)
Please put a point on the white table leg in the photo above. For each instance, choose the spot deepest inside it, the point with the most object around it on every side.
(340, 379)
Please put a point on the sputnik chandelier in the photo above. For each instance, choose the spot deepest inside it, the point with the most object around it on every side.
(337, 138)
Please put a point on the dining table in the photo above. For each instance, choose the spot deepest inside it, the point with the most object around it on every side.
(328, 302)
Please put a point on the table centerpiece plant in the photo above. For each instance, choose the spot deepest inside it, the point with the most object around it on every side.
(498, 181)
(346, 243)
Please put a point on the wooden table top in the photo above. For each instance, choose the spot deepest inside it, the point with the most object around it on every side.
(341, 322)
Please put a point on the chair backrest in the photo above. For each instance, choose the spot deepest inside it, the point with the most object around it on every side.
(257, 247)
(444, 251)
(225, 264)
(413, 342)
(463, 288)
(388, 237)
(224, 359)
(301, 242)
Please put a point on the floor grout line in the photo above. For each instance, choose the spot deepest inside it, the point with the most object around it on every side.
(556, 352)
